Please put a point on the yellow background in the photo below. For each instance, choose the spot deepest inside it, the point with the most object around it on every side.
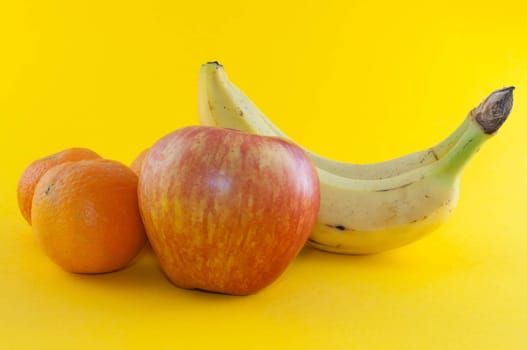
(358, 81)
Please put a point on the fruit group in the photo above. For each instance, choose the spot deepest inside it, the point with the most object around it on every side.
(86, 216)
(226, 211)
(373, 207)
(32, 174)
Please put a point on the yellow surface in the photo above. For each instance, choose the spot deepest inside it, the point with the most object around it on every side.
(359, 82)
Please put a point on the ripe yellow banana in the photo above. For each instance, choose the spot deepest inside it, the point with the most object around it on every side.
(221, 103)
(369, 208)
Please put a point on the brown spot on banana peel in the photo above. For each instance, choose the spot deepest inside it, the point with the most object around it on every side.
(324, 244)
(430, 151)
(420, 219)
(492, 113)
(434, 153)
(339, 227)
(468, 143)
(394, 188)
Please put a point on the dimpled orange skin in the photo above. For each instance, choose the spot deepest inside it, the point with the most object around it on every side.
(86, 216)
(32, 174)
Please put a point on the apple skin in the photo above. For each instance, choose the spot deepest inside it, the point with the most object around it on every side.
(227, 211)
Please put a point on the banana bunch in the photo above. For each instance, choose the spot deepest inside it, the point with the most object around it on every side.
(369, 208)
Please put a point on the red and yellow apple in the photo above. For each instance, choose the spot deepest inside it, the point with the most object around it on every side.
(226, 211)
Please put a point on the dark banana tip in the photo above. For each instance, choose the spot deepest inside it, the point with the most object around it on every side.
(216, 63)
(492, 113)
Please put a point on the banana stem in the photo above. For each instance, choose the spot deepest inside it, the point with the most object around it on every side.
(485, 120)
(444, 146)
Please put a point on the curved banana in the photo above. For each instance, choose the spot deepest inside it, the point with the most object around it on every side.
(375, 207)
(222, 103)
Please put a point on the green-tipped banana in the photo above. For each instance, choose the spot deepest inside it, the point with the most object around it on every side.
(223, 104)
(375, 207)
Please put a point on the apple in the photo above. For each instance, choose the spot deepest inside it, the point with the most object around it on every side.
(226, 211)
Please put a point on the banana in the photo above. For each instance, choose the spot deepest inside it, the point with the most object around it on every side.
(369, 208)
(223, 104)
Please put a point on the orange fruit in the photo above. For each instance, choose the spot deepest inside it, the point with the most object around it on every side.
(30, 177)
(86, 216)
(138, 162)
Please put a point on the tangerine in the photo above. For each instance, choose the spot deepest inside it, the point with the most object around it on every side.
(86, 216)
(32, 174)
